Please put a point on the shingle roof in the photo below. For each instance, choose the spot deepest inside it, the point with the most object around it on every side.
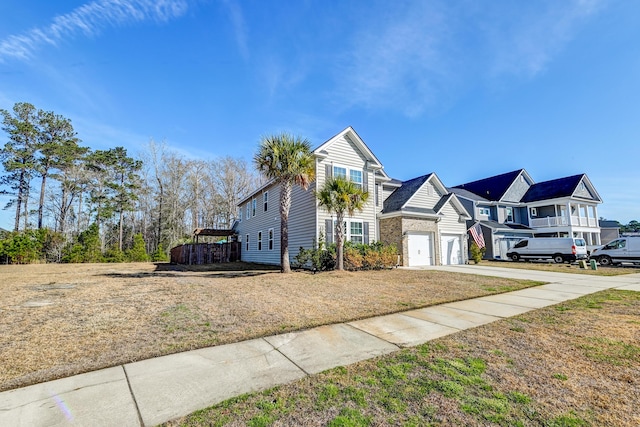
(492, 188)
(466, 194)
(561, 187)
(444, 199)
(401, 195)
(498, 226)
(608, 224)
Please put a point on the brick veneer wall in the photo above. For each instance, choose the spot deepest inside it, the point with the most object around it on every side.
(392, 232)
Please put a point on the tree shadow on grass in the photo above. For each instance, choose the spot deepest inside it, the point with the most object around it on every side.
(230, 270)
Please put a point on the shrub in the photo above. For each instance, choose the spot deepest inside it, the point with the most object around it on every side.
(477, 253)
(138, 252)
(160, 255)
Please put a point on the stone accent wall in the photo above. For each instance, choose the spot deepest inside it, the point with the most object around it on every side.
(392, 232)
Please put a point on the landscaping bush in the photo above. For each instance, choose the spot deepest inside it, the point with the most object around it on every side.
(375, 256)
(319, 258)
(477, 253)
(138, 253)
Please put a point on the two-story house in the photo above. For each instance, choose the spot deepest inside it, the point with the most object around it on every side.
(427, 224)
(511, 206)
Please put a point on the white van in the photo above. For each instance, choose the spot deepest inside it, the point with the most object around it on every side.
(624, 249)
(560, 249)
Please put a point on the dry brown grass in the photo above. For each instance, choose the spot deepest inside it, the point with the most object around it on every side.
(60, 320)
(562, 268)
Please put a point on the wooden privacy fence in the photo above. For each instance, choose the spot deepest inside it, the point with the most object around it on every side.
(205, 253)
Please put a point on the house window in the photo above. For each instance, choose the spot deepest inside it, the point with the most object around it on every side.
(509, 214)
(247, 243)
(259, 240)
(355, 232)
(534, 211)
(271, 239)
(484, 211)
(265, 199)
(356, 177)
(253, 207)
(248, 215)
(339, 171)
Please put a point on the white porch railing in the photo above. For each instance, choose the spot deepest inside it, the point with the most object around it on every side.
(559, 221)
(550, 221)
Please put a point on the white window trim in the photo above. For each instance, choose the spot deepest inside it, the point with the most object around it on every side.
(254, 205)
(350, 235)
(347, 231)
(270, 237)
(248, 209)
(247, 243)
(533, 211)
(265, 200)
(348, 173)
(259, 240)
(484, 211)
(506, 214)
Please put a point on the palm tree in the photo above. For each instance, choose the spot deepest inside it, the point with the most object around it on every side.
(286, 160)
(340, 196)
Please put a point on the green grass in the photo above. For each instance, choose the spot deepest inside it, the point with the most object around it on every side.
(401, 388)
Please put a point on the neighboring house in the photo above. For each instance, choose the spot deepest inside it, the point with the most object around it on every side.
(511, 206)
(396, 213)
(609, 230)
(426, 222)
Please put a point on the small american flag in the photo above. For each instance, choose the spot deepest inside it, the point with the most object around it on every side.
(476, 233)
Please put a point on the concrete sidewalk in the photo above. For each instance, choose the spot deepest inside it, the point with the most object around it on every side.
(153, 391)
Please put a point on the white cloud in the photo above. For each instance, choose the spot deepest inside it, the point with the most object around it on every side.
(89, 20)
(413, 58)
(524, 40)
(239, 27)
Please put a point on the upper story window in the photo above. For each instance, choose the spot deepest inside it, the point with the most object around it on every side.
(265, 199)
(356, 177)
(253, 207)
(484, 211)
(533, 211)
(353, 175)
(240, 214)
(339, 171)
(248, 210)
(509, 212)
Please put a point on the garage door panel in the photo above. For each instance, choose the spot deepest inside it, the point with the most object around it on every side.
(419, 246)
(450, 249)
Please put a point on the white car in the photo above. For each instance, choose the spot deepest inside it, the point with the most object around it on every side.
(624, 249)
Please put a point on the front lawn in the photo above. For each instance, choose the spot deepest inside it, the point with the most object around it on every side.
(570, 365)
(58, 320)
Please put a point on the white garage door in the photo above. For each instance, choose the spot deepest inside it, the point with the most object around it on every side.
(419, 249)
(450, 249)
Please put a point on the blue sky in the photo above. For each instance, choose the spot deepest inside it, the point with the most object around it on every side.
(466, 89)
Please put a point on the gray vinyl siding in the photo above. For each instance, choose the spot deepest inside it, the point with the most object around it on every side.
(302, 220)
(263, 221)
(386, 192)
(344, 153)
(426, 197)
(451, 222)
(517, 190)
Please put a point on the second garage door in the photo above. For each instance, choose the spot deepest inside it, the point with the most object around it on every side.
(450, 249)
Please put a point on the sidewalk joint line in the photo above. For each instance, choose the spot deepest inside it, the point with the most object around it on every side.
(370, 334)
(286, 357)
(133, 396)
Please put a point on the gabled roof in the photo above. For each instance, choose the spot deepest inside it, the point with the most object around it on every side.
(494, 187)
(557, 188)
(399, 199)
(350, 134)
(401, 195)
(460, 192)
